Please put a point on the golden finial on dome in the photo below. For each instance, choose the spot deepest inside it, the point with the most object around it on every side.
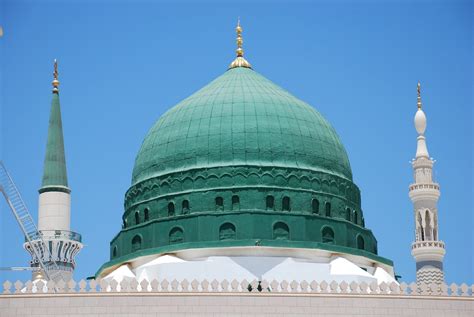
(239, 61)
(418, 88)
(238, 30)
(55, 80)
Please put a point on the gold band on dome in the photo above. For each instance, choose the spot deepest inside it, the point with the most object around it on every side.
(418, 88)
(239, 61)
(55, 82)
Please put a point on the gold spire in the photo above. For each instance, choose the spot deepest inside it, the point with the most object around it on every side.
(418, 102)
(239, 61)
(238, 30)
(55, 82)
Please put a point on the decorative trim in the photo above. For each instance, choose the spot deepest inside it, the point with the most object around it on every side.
(242, 243)
(291, 178)
(55, 188)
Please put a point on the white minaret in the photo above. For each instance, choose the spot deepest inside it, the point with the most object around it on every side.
(54, 210)
(427, 250)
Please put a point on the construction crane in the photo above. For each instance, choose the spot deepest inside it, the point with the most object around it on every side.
(32, 236)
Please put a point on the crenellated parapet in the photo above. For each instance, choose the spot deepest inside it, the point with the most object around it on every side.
(128, 285)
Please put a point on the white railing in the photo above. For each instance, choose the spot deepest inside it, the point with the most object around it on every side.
(60, 235)
(421, 244)
(130, 285)
(424, 186)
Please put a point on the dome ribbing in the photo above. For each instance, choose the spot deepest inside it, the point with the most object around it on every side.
(241, 118)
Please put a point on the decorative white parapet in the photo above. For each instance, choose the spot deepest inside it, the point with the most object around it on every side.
(131, 285)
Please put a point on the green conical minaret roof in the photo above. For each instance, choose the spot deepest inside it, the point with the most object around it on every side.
(54, 173)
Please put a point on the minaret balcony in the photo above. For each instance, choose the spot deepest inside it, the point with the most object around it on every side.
(428, 251)
(434, 186)
(421, 191)
(422, 162)
(60, 235)
(429, 244)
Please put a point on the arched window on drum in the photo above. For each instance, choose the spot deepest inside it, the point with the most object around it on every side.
(219, 203)
(235, 203)
(170, 209)
(315, 206)
(328, 209)
(185, 207)
(270, 202)
(286, 204)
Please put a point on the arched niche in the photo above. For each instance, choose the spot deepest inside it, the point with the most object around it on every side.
(176, 235)
(360, 242)
(227, 231)
(136, 243)
(281, 231)
(327, 235)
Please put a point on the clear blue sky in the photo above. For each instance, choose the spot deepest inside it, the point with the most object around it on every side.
(123, 65)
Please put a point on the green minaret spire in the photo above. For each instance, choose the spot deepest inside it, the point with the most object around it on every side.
(54, 173)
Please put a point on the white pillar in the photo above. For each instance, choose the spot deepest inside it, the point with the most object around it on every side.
(54, 211)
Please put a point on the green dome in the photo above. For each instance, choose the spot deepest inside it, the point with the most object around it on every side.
(241, 163)
(241, 118)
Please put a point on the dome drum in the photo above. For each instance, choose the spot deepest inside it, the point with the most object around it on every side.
(265, 198)
(197, 191)
(244, 228)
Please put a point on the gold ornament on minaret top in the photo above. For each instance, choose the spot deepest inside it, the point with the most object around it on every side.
(418, 102)
(55, 82)
(239, 61)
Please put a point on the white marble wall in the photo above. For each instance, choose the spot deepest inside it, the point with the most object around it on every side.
(227, 304)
